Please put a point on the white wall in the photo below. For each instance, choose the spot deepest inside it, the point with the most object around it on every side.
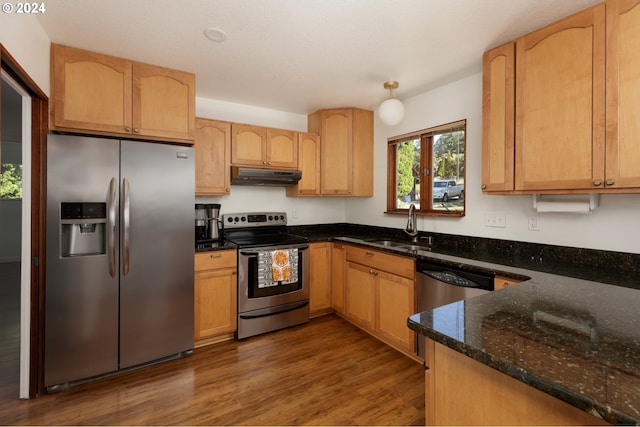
(611, 227)
(26, 41)
(300, 210)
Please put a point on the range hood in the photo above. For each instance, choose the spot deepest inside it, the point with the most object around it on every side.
(265, 177)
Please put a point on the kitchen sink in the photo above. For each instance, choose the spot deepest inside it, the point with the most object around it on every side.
(415, 247)
(390, 243)
(399, 245)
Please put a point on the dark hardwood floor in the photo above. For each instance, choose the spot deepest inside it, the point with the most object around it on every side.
(327, 372)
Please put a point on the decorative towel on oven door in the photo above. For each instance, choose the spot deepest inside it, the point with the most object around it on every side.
(279, 267)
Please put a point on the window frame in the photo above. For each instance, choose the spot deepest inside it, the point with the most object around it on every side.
(426, 162)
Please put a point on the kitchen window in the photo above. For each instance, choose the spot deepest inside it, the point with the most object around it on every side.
(427, 168)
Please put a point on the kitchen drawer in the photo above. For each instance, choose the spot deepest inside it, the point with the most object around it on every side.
(399, 265)
(215, 259)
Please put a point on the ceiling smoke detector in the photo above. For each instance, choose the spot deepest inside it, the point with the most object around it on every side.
(215, 34)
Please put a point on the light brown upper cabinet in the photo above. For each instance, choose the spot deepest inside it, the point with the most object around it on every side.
(346, 141)
(498, 118)
(213, 157)
(263, 147)
(560, 104)
(101, 94)
(623, 94)
(309, 164)
(569, 76)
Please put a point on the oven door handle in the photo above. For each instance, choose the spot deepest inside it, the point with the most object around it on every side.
(255, 253)
(270, 311)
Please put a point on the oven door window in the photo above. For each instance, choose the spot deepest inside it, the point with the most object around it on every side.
(257, 292)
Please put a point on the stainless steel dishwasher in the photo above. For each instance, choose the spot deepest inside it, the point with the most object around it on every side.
(438, 285)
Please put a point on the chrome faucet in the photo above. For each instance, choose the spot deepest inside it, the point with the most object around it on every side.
(412, 227)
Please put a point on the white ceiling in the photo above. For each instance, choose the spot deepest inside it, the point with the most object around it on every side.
(302, 55)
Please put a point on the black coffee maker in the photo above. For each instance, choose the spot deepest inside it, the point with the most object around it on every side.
(207, 223)
(201, 223)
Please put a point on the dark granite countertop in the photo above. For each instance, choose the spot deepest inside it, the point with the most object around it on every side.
(573, 339)
(215, 246)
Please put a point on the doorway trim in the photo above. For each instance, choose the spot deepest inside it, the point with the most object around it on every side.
(34, 362)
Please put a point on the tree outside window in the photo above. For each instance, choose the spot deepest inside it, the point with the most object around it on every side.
(11, 181)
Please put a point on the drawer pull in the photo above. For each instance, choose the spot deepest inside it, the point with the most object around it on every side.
(215, 256)
(367, 253)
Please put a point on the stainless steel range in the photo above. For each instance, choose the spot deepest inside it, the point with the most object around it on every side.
(273, 272)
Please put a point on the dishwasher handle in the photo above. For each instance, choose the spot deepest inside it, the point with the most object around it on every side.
(451, 278)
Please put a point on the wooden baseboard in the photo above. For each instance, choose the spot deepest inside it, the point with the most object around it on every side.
(213, 340)
(322, 312)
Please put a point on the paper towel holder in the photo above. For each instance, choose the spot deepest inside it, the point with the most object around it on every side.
(567, 206)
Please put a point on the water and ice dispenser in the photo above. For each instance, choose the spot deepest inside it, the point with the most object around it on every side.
(83, 229)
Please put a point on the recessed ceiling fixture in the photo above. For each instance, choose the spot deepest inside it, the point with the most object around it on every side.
(391, 111)
(215, 34)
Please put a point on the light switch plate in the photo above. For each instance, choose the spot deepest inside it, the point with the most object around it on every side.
(495, 219)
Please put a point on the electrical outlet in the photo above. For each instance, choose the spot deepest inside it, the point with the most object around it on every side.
(534, 223)
(495, 219)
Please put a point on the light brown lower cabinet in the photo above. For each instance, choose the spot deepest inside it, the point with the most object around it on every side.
(463, 391)
(319, 278)
(379, 295)
(215, 296)
(338, 264)
(501, 282)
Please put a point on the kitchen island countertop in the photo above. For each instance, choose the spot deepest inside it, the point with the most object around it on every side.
(574, 339)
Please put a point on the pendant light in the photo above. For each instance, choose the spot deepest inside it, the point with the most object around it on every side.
(391, 111)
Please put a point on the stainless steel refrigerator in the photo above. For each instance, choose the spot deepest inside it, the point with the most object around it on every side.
(120, 249)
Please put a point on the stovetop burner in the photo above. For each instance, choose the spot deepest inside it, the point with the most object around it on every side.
(259, 229)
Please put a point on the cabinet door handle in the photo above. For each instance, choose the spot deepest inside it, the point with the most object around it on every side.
(136, 130)
(367, 253)
(597, 182)
(227, 190)
(127, 129)
(610, 181)
(484, 186)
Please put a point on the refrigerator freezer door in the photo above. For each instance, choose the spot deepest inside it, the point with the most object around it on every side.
(156, 291)
(81, 301)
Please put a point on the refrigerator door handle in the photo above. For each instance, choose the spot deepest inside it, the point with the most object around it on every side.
(126, 211)
(111, 227)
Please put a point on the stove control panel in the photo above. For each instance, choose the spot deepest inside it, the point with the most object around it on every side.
(254, 219)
